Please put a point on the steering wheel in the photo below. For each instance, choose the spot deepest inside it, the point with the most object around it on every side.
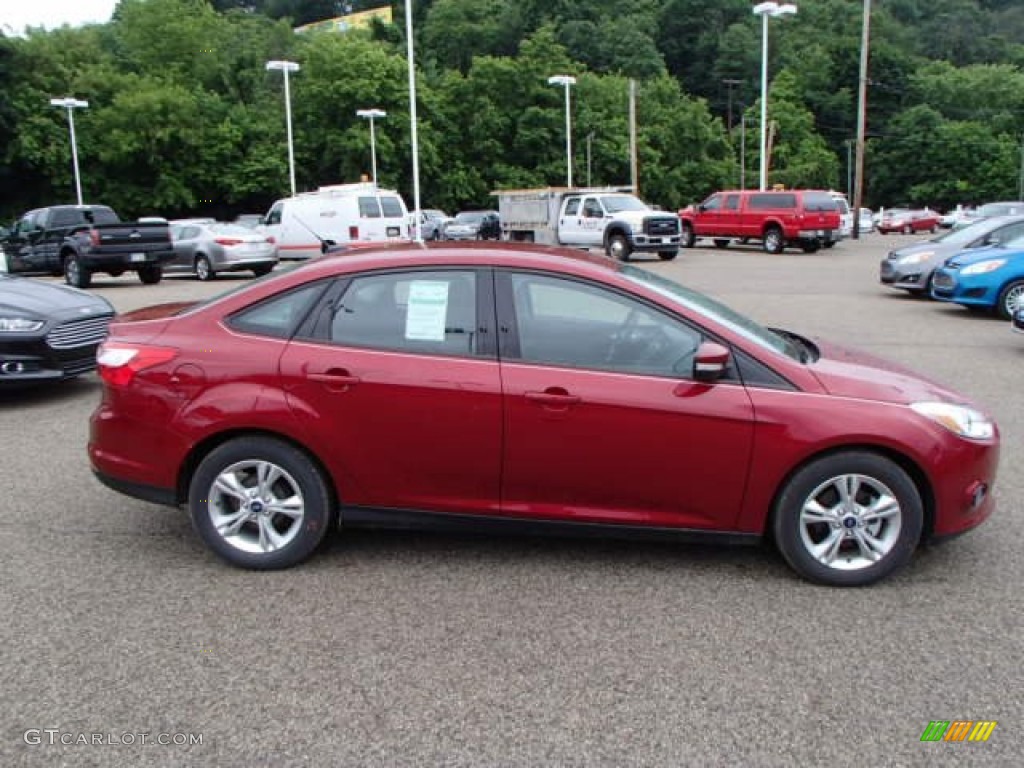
(623, 334)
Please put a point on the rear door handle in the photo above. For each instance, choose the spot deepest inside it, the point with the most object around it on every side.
(335, 378)
(553, 396)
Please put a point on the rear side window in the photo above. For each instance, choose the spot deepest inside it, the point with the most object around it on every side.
(280, 315)
(773, 201)
(369, 208)
(392, 207)
(67, 217)
(819, 201)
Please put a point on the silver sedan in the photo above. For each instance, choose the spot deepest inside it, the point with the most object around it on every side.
(205, 248)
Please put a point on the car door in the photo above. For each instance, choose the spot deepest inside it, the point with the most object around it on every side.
(603, 421)
(397, 386)
(707, 220)
(592, 221)
(183, 240)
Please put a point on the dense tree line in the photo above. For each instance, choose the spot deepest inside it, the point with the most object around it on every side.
(184, 119)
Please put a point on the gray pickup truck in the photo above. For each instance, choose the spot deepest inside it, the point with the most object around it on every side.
(79, 240)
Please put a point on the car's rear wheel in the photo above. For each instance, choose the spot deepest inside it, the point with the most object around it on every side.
(263, 269)
(1011, 298)
(667, 255)
(848, 519)
(76, 274)
(774, 242)
(618, 247)
(908, 230)
(260, 503)
(151, 274)
(721, 242)
(687, 237)
(810, 246)
(204, 270)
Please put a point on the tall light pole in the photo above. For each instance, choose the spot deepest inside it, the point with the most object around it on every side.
(70, 104)
(764, 10)
(862, 117)
(286, 67)
(371, 115)
(417, 233)
(567, 81)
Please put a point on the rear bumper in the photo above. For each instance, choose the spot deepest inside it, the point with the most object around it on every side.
(163, 496)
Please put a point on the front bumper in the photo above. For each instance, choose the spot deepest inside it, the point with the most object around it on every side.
(26, 361)
(912, 279)
(970, 290)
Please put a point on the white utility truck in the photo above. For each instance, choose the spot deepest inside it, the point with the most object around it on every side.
(608, 218)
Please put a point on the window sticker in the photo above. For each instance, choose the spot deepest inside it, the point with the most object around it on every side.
(427, 310)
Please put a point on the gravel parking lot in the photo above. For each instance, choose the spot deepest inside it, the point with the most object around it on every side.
(394, 649)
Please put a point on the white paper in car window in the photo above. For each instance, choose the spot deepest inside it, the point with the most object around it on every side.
(427, 310)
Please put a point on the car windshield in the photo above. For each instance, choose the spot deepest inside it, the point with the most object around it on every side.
(469, 217)
(230, 229)
(966, 234)
(714, 310)
(432, 214)
(1000, 209)
(616, 203)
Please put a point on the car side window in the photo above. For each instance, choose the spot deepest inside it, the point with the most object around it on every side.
(280, 315)
(392, 207)
(369, 208)
(579, 325)
(732, 202)
(713, 203)
(592, 208)
(274, 216)
(423, 312)
(572, 206)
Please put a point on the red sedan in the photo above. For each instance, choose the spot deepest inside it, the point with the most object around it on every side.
(908, 222)
(525, 387)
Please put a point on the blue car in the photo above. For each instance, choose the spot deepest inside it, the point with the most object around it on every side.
(987, 278)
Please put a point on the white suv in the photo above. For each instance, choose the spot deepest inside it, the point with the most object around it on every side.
(845, 214)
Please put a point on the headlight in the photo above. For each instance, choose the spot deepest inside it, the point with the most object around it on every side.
(19, 324)
(917, 258)
(958, 419)
(983, 267)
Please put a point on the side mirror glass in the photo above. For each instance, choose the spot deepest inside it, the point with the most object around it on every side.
(710, 362)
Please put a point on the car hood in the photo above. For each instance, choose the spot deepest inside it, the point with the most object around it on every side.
(847, 372)
(47, 299)
(974, 255)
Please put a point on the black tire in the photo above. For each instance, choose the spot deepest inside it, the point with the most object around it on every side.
(76, 274)
(687, 237)
(667, 255)
(774, 242)
(1011, 298)
(115, 272)
(810, 246)
(264, 269)
(204, 269)
(841, 529)
(151, 274)
(829, 244)
(299, 477)
(618, 247)
(908, 230)
(721, 242)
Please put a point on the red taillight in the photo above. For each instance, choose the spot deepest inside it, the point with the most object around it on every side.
(118, 363)
(271, 240)
(227, 241)
(353, 233)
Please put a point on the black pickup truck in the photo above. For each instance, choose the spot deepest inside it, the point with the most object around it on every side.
(78, 240)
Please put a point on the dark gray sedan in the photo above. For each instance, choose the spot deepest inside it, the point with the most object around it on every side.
(911, 267)
(207, 247)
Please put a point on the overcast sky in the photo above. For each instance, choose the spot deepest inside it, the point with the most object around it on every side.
(15, 15)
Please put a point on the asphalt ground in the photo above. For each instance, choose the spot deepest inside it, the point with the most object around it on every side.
(409, 649)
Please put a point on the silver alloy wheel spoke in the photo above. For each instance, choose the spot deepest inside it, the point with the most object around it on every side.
(291, 507)
(827, 550)
(229, 525)
(847, 487)
(229, 484)
(870, 547)
(882, 508)
(266, 475)
(270, 540)
(813, 512)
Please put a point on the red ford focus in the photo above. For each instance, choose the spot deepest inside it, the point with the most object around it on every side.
(528, 387)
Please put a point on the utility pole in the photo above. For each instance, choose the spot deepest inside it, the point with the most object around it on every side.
(1020, 189)
(743, 150)
(862, 98)
(730, 83)
(633, 172)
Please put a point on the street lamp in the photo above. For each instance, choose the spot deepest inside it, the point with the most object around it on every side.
(567, 81)
(371, 115)
(764, 10)
(286, 67)
(70, 103)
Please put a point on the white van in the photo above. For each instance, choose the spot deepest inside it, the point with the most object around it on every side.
(343, 213)
(845, 214)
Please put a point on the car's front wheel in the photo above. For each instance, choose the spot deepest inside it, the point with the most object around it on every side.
(848, 519)
(619, 248)
(76, 274)
(1011, 298)
(260, 503)
(687, 237)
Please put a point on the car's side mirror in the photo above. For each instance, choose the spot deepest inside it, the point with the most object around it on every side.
(710, 362)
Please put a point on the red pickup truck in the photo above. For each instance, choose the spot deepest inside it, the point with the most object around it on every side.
(803, 218)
